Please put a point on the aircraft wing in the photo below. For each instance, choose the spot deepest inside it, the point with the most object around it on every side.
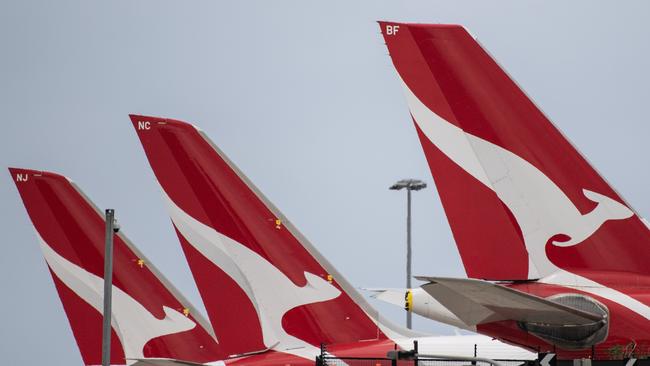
(478, 302)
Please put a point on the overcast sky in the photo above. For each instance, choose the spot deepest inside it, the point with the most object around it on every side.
(303, 97)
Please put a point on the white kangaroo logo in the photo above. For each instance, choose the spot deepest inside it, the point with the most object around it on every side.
(540, 207)
(270, 291)
(132, 322)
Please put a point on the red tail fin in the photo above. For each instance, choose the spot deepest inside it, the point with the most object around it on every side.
(243, 251)
(514, 189)
(150, 318)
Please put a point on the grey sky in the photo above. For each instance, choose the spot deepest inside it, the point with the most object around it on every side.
(303, 97)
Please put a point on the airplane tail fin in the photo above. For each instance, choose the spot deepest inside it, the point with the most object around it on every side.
(150, 318)
(513, 187)
(244, 253)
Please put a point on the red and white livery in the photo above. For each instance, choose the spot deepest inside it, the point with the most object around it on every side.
(525, 208)
(150, 318)
(248, 258)
(153, 324)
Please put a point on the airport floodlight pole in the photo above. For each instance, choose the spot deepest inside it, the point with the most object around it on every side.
(112, 227)
(410, 185)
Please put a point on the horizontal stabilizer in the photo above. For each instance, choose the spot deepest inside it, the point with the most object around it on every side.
(394, 296)
(479, 302)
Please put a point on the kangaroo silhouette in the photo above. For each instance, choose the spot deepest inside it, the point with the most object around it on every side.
(541, 208)
(271, 292)
(132, 322)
